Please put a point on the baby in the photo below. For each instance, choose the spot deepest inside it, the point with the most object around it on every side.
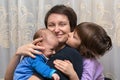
(29, 66)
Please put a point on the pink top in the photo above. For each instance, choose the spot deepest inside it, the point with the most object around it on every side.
(92, 70)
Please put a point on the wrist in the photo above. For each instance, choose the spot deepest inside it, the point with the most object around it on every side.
(17, 54)
(73, 76)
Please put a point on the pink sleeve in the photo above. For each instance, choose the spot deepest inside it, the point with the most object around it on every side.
(92, 70)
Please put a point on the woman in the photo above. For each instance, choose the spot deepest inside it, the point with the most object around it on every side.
(60, 20)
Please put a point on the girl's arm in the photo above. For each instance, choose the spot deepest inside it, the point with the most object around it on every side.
(67, 68)
(27, 49)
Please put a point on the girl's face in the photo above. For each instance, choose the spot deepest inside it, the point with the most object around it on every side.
(73, 40)
(59, 24)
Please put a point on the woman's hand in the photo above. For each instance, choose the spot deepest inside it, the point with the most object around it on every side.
(30, 49)
(67, 68)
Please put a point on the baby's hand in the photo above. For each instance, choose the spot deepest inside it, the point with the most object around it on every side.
(55, 76)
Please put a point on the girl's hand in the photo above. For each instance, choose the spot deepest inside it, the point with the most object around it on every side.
(30, 49)
(66, 67)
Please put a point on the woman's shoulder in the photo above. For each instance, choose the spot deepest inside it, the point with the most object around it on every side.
(68, 51)
(68, 48)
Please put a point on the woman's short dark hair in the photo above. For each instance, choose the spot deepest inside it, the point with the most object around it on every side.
(94, 40)
(67, 11)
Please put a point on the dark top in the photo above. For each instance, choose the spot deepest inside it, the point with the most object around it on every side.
(71, 54)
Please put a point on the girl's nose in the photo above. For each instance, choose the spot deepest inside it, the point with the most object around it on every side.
(68, 34)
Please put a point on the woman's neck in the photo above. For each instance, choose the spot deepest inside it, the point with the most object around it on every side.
(60, 46)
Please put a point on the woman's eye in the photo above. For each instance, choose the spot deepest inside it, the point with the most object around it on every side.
(62, 23)
(50, 25)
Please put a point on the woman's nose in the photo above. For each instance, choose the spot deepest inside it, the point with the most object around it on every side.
(56, 29)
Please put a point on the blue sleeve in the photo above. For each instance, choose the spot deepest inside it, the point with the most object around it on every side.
(40, 66)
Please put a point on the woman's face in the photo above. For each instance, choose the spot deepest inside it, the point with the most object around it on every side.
(73, 40)
(59, 24)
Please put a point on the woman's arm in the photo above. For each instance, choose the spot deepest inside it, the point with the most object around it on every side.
(27, 49)
(11, 67)
(35, 77)
(67, 68)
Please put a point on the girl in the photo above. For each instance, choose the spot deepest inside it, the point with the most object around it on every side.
(92, 41)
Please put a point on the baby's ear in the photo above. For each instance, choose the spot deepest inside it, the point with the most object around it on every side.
(39, 43)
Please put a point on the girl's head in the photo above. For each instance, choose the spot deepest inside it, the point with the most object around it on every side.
(92, 39)
(61, 20)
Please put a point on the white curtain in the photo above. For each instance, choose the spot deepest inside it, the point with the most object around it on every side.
(19, 19)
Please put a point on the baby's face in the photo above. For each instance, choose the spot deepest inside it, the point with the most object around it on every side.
(73, 40)
(50, 47)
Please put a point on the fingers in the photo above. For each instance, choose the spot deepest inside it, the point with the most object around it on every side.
(34, 50)
(61, 62)
(31, 55)
(60, 65)
(68, 61)
(38, 47)
(29, 50)
(35, 47)
(61, 68)
(37, 40)
(64, 66)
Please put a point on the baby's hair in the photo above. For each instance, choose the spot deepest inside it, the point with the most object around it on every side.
(94, 40)
(43, 32)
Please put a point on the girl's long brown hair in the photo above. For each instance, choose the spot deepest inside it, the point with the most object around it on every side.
(94, 40)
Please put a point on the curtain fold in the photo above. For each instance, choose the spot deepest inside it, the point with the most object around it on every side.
(19, 19)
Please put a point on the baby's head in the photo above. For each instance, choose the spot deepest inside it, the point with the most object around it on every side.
(91, 40)
(50, 41)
